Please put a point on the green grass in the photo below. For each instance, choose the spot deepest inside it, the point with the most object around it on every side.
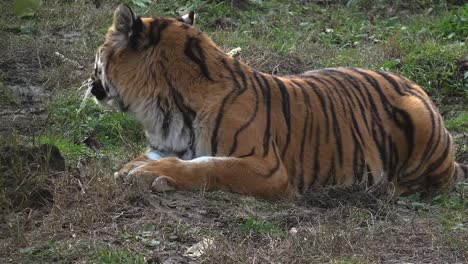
(6, 97)
(70, 125)
(448, 208)
(109, 256)
(459, 123)
(261, 226)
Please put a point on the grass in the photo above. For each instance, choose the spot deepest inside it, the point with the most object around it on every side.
(261, 227)
(119, 257)
(90, 218)
(114, 132)
(459, 123)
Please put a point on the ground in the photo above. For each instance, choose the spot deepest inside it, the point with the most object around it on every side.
(59, 202)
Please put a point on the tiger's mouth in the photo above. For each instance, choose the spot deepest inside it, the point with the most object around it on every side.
(97, 89)
(103, 96)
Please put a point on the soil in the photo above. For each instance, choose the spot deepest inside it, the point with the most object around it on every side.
(28, 114)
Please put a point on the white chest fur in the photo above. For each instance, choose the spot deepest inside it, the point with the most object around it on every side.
(168, 133)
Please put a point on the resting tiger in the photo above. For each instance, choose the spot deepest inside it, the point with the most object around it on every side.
(212, 122)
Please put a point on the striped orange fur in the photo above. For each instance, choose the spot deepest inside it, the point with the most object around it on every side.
(213, 122)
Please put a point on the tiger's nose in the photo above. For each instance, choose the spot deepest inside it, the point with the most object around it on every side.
(98, 90)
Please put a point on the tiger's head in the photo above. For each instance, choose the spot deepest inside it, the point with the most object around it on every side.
(144, 58)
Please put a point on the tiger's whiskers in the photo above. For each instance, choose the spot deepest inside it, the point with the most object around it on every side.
(87, 83)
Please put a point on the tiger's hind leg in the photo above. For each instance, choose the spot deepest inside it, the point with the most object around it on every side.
(256, 176)
(428, 150)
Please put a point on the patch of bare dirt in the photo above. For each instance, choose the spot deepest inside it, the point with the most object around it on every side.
(27, 111)
(27, 172)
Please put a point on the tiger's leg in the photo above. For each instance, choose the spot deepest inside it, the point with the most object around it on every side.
(260, 177)
(142, 159)
(429, 163)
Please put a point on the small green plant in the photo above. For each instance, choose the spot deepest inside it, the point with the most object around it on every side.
(6, 96)
(114, 131)
(455, 200)
(261, 226)
(26, 8)
(455, 25)
(459, 123)
(342, 261)
(72, 152)
(110, 256)
(138, 3)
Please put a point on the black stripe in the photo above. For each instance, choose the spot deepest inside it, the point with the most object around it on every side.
(351, 79)
(335, 124)
(408, 129)
(392, 81)
(380, 133)
(305, 96)
(376, 85)
(323, 106)
(430, 148)
(157, 26)
(380, 143)
(267, 89)
(331, 175)
(337, 133)
(219, 118)
(241, 73)
(393, 160)
(357, 177)
(370, 176)
(350, 104)
(251, 153)
(137, 28)
(276, 167)
(163, 106)
(436, 164)
(233, 76)
(246, 124)
(435, 178)
(316, 170)
(188, 114)
(191, 46)
(286, 112)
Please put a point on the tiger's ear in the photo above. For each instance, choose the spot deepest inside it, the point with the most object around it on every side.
(125, 25)
(123, 19)
(188, 18)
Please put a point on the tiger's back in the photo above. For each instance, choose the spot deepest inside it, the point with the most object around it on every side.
(340, 126)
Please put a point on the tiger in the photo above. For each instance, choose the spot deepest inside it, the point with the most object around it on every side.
(214, 123)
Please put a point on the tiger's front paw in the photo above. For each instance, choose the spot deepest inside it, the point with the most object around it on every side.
(152, 176)
(143, 180)
(122, 174)
(163, 184)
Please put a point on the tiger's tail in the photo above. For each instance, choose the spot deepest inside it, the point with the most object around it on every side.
(462, 172)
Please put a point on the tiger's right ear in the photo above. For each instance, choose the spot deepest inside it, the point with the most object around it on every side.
(188, 18)
(124, 24)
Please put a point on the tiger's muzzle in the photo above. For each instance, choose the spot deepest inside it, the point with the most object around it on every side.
(97, 89)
